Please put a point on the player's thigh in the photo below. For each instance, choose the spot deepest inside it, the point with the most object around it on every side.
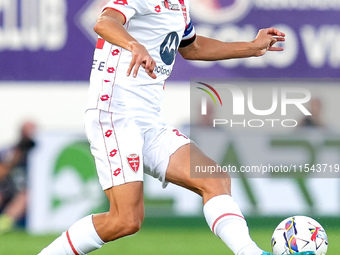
(178, 172)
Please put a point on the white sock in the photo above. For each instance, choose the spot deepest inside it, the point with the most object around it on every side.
(225, 219)
(81, 238)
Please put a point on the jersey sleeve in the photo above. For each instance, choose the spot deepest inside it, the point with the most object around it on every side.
(189, 35)
(126, 7)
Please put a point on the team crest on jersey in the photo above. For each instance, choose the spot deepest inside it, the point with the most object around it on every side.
(133, 160)
(173, 7)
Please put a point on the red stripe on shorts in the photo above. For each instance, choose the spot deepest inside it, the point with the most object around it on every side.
(70, 243)
(222, 216)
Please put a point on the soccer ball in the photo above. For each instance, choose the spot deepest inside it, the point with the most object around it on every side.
(298, 234)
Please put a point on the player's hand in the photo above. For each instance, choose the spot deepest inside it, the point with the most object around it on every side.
(265, 40)
(141, 57)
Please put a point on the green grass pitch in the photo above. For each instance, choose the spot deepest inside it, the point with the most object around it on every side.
(173, 238)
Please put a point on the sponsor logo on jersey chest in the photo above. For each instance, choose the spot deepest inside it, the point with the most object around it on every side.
(169, 47)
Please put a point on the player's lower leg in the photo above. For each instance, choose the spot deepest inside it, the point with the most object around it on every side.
(81, 238)
(227, 222)
(90, 233)
(221, 212)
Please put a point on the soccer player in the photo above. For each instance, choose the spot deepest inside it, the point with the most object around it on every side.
(134, 55)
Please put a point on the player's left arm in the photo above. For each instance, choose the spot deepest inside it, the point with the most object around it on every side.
(209, 49)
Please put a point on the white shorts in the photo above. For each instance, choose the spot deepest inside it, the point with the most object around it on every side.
(122, 142)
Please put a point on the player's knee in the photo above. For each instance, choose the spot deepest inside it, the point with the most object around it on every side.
(133, 226)
(132, 223)
(216, 186)
(124, 225)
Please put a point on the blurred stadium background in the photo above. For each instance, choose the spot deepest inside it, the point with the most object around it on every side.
(46, 49)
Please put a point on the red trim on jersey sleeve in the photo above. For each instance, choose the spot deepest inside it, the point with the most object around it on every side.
(70, 243)
(100, 43)
(117, 11)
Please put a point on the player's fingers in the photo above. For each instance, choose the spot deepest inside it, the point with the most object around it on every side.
(275, 49)
(280, 39)
(149, 66)
(274, 31)
(152, 74)
(136, 69)
(132, 64)
(271, 46)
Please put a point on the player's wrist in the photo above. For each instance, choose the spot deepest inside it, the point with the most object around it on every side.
(256, 48)
(133, 45)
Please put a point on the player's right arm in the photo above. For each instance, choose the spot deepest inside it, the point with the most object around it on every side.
(209, 49)
(110, 27)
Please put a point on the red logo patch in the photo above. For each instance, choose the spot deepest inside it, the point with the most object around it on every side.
(133, 160)
(121, 2)
(117, 172)
(108, 133)
(104, 98)
(113, 153)
(110, 70)
(115, 52)
(158, 9)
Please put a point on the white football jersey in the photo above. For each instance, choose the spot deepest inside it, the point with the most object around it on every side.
(160, 26)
